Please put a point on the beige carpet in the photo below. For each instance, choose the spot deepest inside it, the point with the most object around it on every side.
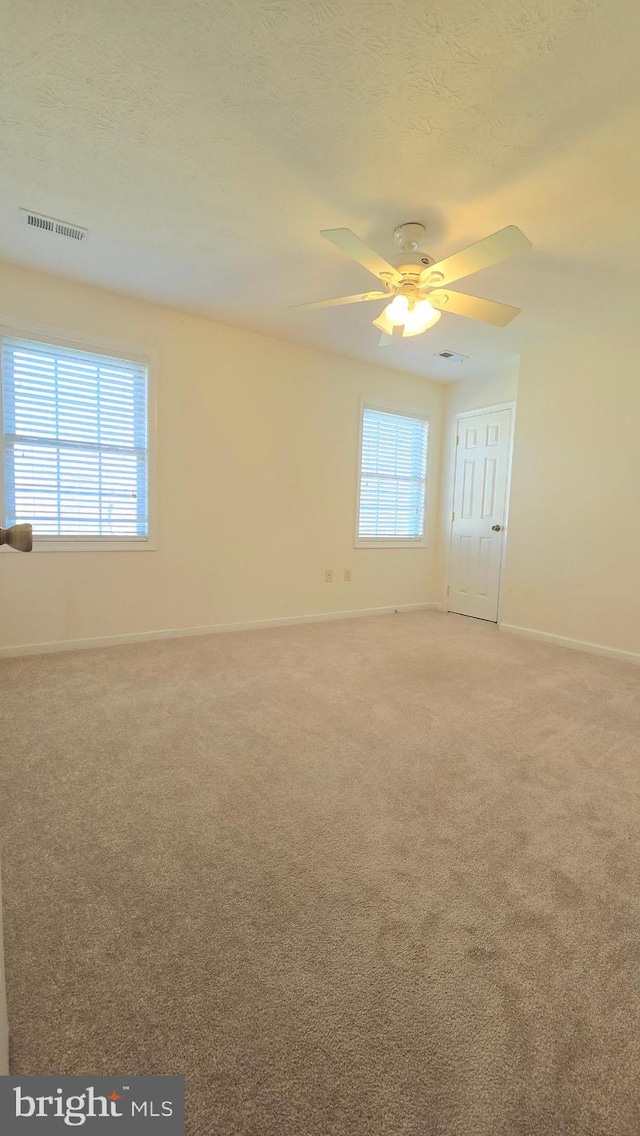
(372, 877)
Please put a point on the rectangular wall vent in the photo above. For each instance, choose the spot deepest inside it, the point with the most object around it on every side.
(51, 225)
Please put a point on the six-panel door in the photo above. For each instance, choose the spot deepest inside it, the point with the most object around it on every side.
(477, 530)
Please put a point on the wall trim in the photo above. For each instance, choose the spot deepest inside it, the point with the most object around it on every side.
(574, 644)
(205, 629)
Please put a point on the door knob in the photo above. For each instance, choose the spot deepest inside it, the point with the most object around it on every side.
(496, 528)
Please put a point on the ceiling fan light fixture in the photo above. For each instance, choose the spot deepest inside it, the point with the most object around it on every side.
(384, 323)
(421, 317)
(397, 311)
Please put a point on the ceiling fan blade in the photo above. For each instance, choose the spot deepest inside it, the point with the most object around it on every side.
(342, 300)
(348, 242)
(488, 311)
(385, 340)
(490, 250)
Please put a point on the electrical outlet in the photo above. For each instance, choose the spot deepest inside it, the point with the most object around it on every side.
(328, 576)
(347, 575)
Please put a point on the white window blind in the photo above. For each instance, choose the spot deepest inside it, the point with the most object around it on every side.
(392, 476)
(74, 426)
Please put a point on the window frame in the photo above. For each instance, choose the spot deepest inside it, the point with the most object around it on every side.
(386, 541)
(13, 327)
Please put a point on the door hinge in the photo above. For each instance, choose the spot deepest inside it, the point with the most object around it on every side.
(448, 590)
(457, 441)
(453, 516)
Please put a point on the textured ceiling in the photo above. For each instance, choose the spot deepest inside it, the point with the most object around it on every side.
(205, 144)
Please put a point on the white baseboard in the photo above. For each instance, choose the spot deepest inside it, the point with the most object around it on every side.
(209, 629)
(574, 644)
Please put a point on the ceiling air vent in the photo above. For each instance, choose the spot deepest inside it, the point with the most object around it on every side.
(453, 355)
(51, 225)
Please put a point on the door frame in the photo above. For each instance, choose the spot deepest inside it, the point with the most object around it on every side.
(462, 416)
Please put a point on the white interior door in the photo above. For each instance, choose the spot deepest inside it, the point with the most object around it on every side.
(479, 513)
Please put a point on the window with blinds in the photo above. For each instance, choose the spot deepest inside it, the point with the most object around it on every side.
(74, 427)
(393, 468)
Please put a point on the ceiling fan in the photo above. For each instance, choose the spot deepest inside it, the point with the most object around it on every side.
(417, 293)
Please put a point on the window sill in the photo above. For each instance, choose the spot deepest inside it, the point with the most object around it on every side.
(92, 546)
(382, 543)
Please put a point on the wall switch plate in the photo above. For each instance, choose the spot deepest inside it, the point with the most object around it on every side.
(347, 575)
(328, 576)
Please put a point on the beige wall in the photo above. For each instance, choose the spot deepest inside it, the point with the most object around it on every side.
(461, 396)
(475, 394)
(257, 470)
(573, 563)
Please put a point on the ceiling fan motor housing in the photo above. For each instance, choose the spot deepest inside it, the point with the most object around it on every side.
(408, 286)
